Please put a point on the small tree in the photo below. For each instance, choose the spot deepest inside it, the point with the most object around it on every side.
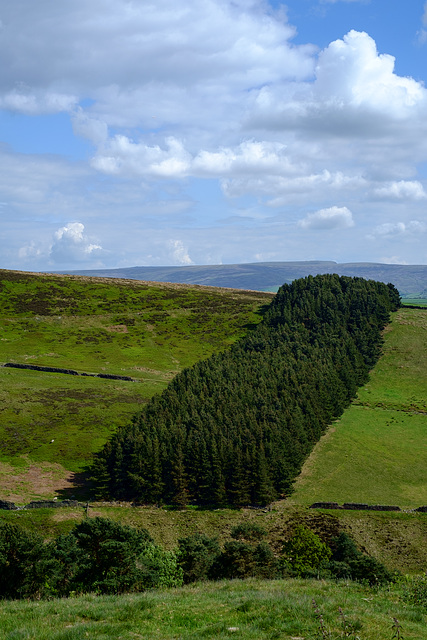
(196, 555)
(114, 558)
(305, 552)
(25, 563)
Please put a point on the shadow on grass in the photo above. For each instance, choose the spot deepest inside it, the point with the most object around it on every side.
(81, 487)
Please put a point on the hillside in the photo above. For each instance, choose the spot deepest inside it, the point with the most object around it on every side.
(410, 280)
(235, 429)
(395, 538)
(377, 451)
(51, 423)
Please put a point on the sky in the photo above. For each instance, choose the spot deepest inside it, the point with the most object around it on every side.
(158, 132)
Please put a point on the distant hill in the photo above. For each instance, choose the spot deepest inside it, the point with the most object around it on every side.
(410, 280)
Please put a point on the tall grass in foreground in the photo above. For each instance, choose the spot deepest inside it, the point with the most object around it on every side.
(249, 609)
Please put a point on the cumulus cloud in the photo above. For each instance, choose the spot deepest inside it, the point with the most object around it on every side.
(123, 156)
(326, 219)
(30, 103)
(401, 190)
(297, 184)
(355, 92)
(180, 253)
(393, 229)
(350, 71)
(114, 51)
(71, 244)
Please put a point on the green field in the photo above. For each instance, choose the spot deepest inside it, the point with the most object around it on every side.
(377, 451)
(248, 609)
(143, 330)
(417, 302)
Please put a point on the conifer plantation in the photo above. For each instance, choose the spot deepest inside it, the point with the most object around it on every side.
(236, 428)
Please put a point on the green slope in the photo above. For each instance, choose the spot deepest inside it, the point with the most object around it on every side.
(377, 452)
(244, 609)
(143, 330)
(410, 280)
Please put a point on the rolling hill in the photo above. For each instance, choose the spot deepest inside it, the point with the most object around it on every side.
(410, 280)
(79, 323)
(51, 423)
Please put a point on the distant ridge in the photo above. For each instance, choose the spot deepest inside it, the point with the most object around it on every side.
(410, 280)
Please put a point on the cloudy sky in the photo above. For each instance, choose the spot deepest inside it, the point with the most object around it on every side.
(157, 132)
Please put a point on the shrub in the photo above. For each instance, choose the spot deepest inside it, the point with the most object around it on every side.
(107, 557)
(241, 560)
(196, 555)
(305, 553)
(25, 563)
(348, 562)
(236, 561)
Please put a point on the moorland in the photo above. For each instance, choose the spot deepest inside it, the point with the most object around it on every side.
(51, 423)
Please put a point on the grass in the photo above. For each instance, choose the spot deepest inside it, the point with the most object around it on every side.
(377, 452)
(146, 331)
(249, 609)
(418, 302)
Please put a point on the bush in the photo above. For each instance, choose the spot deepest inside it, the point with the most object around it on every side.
(25, 563)
(236, 561)
(241, 560)
(348, 562)
(305, 553)
(106, 557)
(196, 555)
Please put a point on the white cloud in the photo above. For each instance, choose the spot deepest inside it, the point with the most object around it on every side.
(114, 51)
(350, 71)
(331, 218)
(71, 244)
(355, 92)
(392, 229)
(402, 190)
(31, 103)
(123, 156)
(180, 253)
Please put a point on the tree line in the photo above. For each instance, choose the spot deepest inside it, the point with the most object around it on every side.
(236, 428)
(105, 557)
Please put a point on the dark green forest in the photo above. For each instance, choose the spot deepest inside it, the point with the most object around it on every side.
(235, 429)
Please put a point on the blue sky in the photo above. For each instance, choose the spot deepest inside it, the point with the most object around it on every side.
(212, 132)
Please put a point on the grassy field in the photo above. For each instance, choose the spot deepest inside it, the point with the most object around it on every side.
(377, 452)
(248, 609)
(51, 423)
(418, 302)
